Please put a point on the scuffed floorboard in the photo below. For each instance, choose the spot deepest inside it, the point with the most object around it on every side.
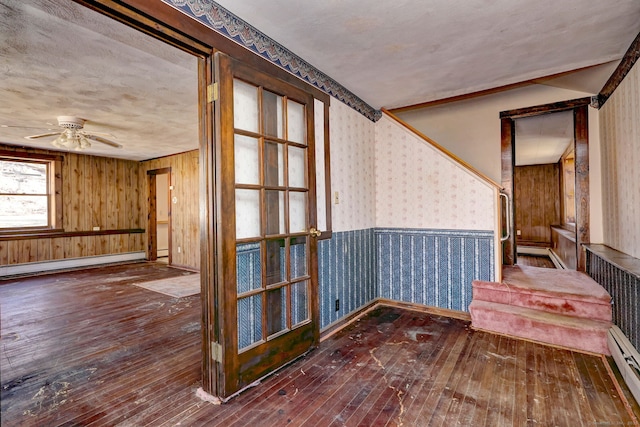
(88, 348)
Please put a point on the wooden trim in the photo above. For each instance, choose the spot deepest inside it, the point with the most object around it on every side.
(445, 312)
(347, 320)
(208, 227)
(327, 176)
(26, 155)
(629, 59)
(581, 136)
(58, 233)
(443, 150)
(507, 156)
(545, 109)
(167, 156)
(152, 223)
(491, 91)
(162, 171)
(184, 267)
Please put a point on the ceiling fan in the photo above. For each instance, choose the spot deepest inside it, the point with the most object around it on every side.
(71, 135)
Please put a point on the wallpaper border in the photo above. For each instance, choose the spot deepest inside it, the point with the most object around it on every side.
(217, 18)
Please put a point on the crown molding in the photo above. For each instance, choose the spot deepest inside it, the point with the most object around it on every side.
(234, 28)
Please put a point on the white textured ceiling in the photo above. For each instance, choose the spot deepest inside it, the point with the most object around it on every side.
(543, 139)
(59, 58)
(403, 52)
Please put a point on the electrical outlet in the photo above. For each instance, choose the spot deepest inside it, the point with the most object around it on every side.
(336, 198)
(179, 249)
(518, 233)
(337, 305)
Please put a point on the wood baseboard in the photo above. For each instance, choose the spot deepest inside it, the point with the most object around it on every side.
(340, 324)
(445, 312)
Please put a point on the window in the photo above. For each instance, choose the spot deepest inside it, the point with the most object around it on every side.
(27, 193)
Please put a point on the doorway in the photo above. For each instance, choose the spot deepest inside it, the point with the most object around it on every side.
(159, 224)
(572, 228)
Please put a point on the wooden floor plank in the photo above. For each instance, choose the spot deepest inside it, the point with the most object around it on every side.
(89, 348)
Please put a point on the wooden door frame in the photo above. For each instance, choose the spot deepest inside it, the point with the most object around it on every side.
(581, 145)
(166, 23)
(152, 223)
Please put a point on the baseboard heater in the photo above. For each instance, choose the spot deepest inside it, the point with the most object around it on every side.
(627, 359)
(39, 267)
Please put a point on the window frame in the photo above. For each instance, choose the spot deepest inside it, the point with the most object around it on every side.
(54, 191)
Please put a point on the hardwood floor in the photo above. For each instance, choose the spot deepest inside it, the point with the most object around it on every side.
(88, 348)
(535, 261)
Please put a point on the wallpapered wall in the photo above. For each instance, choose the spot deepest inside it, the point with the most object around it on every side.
(418, 187)
(620, 141)
(352, 168)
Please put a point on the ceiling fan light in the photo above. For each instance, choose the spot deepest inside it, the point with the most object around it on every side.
(84, 143)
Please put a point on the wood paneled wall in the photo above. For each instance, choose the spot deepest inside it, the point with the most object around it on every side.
(96, 192)
(537, 202)
(185, 213)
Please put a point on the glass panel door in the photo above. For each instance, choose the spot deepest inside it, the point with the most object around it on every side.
(268, 269)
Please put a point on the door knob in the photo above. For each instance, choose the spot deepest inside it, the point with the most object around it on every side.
(313, 232)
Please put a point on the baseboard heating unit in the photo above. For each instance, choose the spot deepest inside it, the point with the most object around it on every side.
(627, 359)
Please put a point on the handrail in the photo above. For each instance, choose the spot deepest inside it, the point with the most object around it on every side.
(443, 150)
(507, 217)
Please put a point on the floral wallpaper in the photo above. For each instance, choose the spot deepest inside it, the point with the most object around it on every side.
(419, 187)
(352, 169)
(620, 150)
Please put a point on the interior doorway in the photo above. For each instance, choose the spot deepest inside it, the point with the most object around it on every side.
(544, 187)
(159, 244)
(571, 211)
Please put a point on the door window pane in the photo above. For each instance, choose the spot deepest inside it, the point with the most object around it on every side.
(299, 302)
(247, 160)
(247, 213)
(276, 310)
(298, 256)
(297, 212)
(245, 106)
(296, 131)
(248, 267)
(249, 321)
(273, 164)
(274, 208)
(297, 171)
(275, 267)
(272, 114)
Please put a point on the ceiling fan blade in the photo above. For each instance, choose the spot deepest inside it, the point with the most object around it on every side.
(42, 135)
(103, 140)
(26, 127)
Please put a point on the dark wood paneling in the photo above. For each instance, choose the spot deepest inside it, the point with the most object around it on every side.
(185, 213)
(89, 348)
(537, 202)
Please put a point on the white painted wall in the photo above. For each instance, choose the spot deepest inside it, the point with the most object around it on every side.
(470, 129)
